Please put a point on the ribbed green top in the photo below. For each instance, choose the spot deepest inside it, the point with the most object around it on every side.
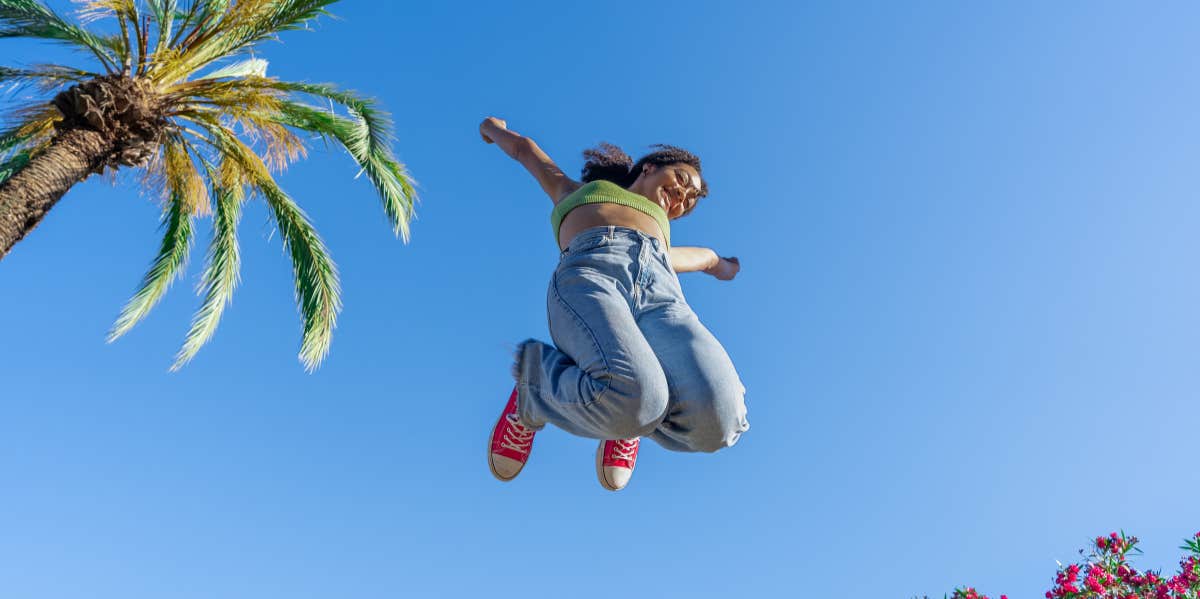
(607, 192)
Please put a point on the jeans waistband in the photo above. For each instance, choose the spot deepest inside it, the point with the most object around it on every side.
(612, 232)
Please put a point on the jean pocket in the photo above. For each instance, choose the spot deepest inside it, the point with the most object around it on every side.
(586, 244)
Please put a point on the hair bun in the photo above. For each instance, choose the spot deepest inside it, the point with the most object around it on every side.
(609, 163)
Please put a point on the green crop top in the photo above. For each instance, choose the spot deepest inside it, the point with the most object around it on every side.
(607, 192)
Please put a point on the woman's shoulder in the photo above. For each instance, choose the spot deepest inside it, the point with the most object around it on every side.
(572, 188)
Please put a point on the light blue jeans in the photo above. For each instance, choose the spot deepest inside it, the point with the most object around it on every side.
(630, 358)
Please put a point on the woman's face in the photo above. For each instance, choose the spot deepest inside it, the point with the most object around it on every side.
(675, 187)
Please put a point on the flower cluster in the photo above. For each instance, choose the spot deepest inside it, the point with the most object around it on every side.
(1105, 573)
(970, 593)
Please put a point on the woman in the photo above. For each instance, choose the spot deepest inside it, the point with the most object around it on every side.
(630, 359)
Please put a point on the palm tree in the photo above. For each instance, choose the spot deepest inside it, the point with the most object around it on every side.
(205, 142)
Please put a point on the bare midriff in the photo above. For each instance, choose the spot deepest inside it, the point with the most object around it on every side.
(602, 215)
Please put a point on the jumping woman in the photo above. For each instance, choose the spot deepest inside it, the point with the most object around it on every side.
(630, 359)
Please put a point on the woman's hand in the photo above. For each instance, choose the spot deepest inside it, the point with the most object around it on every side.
(725, 269)
(488, 123)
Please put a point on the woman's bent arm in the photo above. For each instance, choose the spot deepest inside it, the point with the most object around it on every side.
(695, 259)
(554, 182)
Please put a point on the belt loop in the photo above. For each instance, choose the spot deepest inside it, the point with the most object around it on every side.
(612, 231)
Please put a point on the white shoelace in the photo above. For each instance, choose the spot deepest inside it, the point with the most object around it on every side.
(516, 436)
(625, 449)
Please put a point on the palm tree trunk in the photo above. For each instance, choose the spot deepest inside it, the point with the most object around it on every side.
(27, 196)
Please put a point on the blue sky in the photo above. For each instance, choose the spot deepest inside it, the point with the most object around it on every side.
(967, 318)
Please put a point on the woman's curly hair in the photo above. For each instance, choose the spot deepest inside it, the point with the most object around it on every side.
(610, 163)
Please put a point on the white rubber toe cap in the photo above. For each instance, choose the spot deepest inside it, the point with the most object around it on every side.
(504, 468)
(611, 478)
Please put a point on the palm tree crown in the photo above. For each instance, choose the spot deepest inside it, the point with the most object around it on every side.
(206, 141)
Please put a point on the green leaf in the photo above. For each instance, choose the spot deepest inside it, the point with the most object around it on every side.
(48, 77)
(391, 180)
(318, 289)
(30, 18)
(221, 272)
(12, 165)
(164, 13)
(167, 266)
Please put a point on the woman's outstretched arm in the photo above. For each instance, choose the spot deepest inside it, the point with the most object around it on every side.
(694, 259)
(554, 182)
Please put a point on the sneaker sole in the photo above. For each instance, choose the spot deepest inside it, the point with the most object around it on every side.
(604, 482)
(492, 468)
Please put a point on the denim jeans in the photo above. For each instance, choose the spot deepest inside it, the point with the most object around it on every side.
(630, 358)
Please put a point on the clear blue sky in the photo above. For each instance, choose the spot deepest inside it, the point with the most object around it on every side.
(967, 318)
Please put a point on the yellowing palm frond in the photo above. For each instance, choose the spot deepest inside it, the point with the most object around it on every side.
(183, 178)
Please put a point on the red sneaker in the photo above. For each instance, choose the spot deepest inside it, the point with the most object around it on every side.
(510, 444)
(615, 461)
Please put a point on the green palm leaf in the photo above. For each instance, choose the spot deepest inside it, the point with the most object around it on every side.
(220, 276)
(370, 145)
(48, 77)
(317, 287)
(29, 18)
(390, 178)
(12, 139)
(15, 152)
(167, 266)
(9, 167)
(163, 13)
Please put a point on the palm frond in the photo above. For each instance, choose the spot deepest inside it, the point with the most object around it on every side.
(212, 10)
(379, 124)
(390, 178)
(370, 146)
(221, 272)
(254, 108)
(246, 23)
(34, 126)
(253, 67)
(9, 167)
(281, 146)
(163, 12)
(184, 179)
(128, 17)
(234, 100)
(318, 291)
(167, 266)
(367, 138)
(31, 18)
(47, 77)
(11, 140)
(201, 17)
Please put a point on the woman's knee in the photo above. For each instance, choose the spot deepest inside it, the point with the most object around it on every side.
(718, 419)
(636, 405)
